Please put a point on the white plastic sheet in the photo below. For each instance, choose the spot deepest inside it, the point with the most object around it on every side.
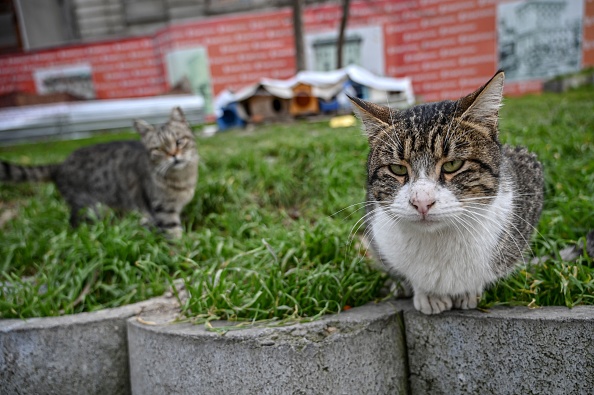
(22, 123)
(325, 84)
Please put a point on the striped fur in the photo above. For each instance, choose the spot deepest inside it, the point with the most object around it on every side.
(156, 176)
(17, 173)
(449, 209)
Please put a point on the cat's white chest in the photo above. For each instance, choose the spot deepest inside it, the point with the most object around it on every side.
(450, 261)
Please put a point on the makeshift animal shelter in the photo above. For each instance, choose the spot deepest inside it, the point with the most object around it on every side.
(312, 92)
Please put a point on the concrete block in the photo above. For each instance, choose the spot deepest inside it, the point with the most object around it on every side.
(360, 351)
(77, 354)
(505, 351)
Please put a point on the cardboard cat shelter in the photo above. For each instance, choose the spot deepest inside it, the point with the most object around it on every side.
(309, 93)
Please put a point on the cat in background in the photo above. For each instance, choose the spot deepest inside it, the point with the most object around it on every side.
(449, 209)
(156, 176)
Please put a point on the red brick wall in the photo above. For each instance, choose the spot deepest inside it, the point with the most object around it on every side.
(588, 40)
(241, 49)
(124, 68)
(447, 47)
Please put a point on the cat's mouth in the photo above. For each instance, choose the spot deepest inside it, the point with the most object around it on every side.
(428, 225)
(426, 220)
(178, 163)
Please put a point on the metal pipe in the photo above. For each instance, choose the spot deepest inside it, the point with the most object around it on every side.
(22, 26)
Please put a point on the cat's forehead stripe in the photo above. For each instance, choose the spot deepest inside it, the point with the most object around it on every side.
(407, 147)
(471, 125)
(436, 144)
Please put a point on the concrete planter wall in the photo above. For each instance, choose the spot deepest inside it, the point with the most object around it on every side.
(506, 351)
(385, 348)
(357, 352)
(76, 354)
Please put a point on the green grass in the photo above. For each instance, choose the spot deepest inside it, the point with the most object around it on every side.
(260, 240)
(269, 234)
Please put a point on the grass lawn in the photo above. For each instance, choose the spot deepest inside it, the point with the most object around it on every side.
(272, 232)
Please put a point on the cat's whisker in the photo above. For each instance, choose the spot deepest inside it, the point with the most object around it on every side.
(486, 207)
(355, 228)
(366, 241)
(363, 204)
(460, 232)
(504, 229)
(472, 198)
(519, 217)
(486, 197)
(468, 226)
(360, 222)
(391, 220)
(160, 170)
(497, 247)
(526, 242)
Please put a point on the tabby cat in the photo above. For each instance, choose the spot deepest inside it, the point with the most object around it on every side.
(156, 176)
(450, 210)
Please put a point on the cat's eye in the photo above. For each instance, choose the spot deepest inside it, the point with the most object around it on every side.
(452, 166)
(399, 170)
(181, 141)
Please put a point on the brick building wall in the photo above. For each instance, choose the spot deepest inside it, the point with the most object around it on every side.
(447, 47)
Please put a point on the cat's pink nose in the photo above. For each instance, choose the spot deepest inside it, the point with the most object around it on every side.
(422, 202)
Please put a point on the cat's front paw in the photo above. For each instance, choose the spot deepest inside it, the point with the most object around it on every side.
(467, 301)
(432, 304)
(174, 233)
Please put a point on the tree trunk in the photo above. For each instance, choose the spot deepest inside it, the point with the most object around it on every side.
(340, 42)
(298, 33)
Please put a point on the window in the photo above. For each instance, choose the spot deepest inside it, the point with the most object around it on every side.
(44, 23)
(145, 11)
(9, 32)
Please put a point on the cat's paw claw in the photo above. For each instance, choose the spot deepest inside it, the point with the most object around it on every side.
(432, 304)
(467, 301)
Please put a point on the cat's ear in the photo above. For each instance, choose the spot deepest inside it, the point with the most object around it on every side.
(375, 118)
(482, 106)
(143, 127)
(177, 115)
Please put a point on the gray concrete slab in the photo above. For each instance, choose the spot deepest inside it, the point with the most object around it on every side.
(375, 349)
(360, 351)
(77, 354)
(505, 351)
